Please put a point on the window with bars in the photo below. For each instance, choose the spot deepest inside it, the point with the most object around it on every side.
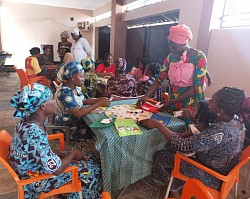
(236, 13)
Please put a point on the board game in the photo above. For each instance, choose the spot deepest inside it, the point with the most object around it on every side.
(127, 111)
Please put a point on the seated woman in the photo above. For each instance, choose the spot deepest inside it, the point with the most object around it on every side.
(91, 79)
(217, 147)
(30, 151)
(107, 68)
(32, 66)
(66, 55)
(121, 84)
(70, 101)
(152, 70)
(45, 58)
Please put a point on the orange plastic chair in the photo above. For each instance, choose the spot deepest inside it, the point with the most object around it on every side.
(227, 181)
(73, 186)
(105, 195)
(195, 188)
(25, 81)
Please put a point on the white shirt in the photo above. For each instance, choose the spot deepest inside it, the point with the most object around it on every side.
(81, 50)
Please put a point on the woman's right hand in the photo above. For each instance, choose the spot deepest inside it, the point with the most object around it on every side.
(141, 101)
(104, 102)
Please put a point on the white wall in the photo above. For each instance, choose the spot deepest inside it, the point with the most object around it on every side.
(229, 59)
(24, 26)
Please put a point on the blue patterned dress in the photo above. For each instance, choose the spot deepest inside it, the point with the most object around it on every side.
(217, 147)
(31, 155)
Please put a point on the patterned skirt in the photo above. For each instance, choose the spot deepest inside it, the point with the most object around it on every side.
(163, 163)
(89, 173)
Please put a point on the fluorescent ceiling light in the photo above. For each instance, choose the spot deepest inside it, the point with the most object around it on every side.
(153, 24)
(102, 16)
(140, 3)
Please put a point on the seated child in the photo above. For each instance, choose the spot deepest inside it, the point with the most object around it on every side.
(151, 71)
(91, 79)
(199, 116)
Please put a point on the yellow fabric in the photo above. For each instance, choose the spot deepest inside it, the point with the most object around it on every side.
(32, 66)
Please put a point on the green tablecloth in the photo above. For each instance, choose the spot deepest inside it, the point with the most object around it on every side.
(125, 160)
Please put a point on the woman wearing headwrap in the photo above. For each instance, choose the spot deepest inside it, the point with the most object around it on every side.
(186, 69)
(91, 79)
(217, 147)
(81, 49)
(70, 101)
(121, 84)
(64, 44)
(30, 152)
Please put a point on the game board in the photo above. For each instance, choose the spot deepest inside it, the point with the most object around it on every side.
(127, 111)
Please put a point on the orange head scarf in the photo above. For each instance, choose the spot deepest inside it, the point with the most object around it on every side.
(180, 34)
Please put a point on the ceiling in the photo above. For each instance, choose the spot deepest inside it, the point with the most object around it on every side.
(79, 4)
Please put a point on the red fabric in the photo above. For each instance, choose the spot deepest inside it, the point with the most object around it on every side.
(101, 68)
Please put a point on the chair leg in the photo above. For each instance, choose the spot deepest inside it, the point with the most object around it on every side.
(236, 190)
(80, 194)
(169, 186)
(248, 178)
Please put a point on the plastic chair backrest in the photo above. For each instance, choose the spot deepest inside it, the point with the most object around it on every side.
(105, 195)
(5, 139)
(195, 188)
(23, 77)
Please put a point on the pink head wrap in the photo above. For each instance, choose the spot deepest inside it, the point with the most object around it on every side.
(180, 34)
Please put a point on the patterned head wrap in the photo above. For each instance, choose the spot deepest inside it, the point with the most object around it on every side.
(64, 34)
(69, 69)
(29, 99)
(87, 64)
(76, 31)
(180, 34)
(121, 65)
(245, 107)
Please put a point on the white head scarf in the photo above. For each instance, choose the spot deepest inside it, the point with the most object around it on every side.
(75, 31)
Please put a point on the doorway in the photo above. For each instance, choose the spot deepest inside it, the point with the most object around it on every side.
(104, 41)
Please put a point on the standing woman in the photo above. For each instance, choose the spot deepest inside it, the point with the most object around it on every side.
(64, 45)
(186, 69)
(81, 49)
(30, 152)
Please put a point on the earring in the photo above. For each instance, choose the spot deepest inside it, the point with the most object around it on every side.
(218, 114)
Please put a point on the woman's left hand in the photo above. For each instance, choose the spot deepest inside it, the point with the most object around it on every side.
(148, 123)
(167, 103)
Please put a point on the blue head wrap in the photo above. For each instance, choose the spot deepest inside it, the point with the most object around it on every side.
(29, 99)
(68, 70)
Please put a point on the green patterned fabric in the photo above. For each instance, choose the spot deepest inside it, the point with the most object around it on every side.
(125, 160)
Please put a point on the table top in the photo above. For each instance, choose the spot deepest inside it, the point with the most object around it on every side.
(125, 160)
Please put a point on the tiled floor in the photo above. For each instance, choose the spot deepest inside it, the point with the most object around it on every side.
(8, 188)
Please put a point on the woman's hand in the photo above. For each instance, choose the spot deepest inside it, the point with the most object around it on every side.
(78, 155)
(141, 101)
(104, 102)
(149, 123)
(167, 103)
